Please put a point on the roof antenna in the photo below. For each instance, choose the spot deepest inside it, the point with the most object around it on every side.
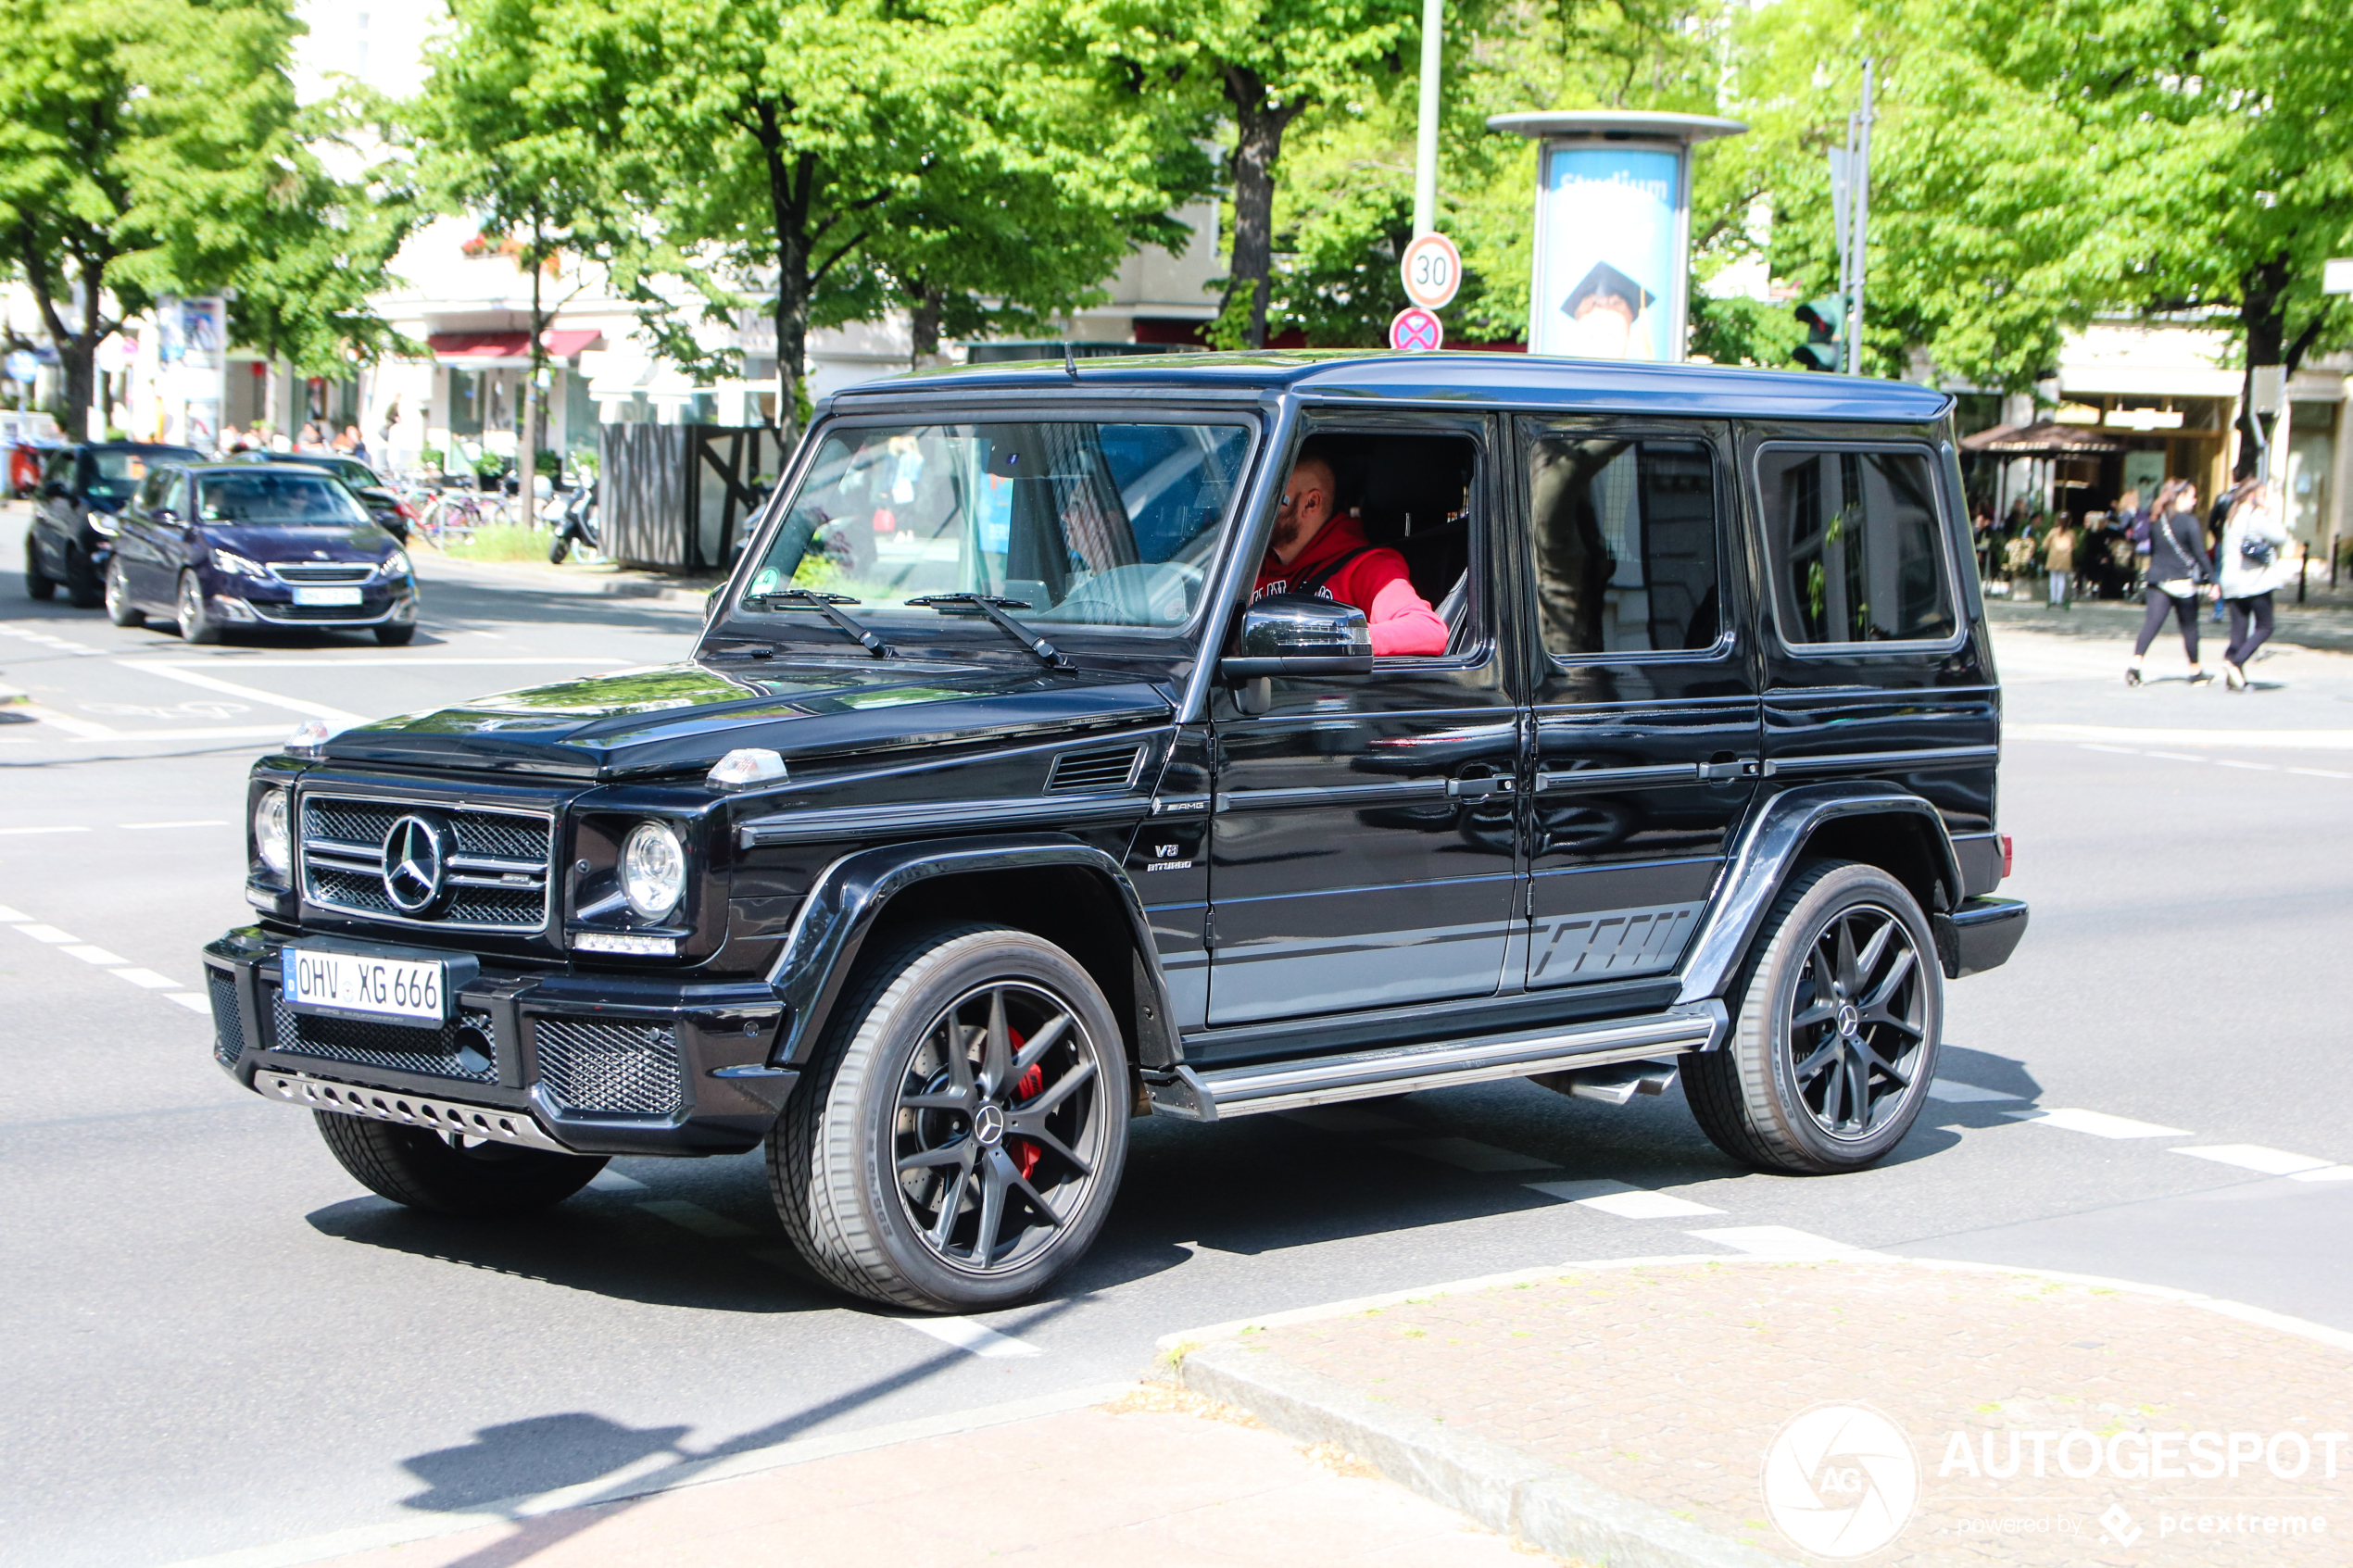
(1070, 358)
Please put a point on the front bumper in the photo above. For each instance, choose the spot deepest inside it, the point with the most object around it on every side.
(1979, 935)
(593, 1063)
(266, 606)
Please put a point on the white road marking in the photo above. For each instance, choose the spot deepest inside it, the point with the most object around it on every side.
(1469, 1154)
(391, 661)
(18, 832)
(967, 1335)
(231, 688)
(1778, 1241)
(80, 729)
(1626, 1202)
(698, 1219)
(142, 827)
(49, 934)
(9, 916)
(2321, 773)
(2174, 755)
(2235, 740)
(2255, 1157)
(99, 956)
(192, 1001)
(610, 1180)
(2114, 750)
(2325, 1173)
(2099, 1124)
(1960, 1093)
(2251, 767)
(146, 978)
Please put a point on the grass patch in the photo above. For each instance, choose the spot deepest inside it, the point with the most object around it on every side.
(502, 542)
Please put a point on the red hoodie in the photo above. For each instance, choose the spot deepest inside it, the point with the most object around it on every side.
(1376, 583)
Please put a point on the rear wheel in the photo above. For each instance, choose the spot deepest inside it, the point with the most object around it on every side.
(960, 1141)
(1837, 1030)
(561, 548)
(197, 624)
(445, 1175)
(38, 583)
(119, 610)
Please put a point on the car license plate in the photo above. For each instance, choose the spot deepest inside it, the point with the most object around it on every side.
(326, 595)
(365, 986)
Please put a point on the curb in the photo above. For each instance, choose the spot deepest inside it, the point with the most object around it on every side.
(1514, 1493)
(1506, 1490)
(485, 574)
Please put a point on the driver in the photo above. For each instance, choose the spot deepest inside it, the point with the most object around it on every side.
(1314, 552)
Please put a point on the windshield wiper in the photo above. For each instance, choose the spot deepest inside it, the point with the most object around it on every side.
(825, 605)
(994, 609)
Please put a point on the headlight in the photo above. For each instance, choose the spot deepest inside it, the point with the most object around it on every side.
(104, 525)
(653, 869)
(394, 565)
(229, 560)
(271, 840)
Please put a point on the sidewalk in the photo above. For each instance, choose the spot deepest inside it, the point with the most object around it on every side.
(2326, 625)
(602, 579)
(1635, 1412)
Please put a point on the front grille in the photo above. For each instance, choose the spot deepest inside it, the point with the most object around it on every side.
(616, 1069)
(319, 612)
(227, 1028)
(396, 1048)
(496, 878)
(321, 571)
(1094, 770)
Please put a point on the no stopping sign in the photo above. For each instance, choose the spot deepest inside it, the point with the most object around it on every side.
(1416, 330)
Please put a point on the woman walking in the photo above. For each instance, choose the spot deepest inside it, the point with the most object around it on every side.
(2178, 564)
(2254, 566)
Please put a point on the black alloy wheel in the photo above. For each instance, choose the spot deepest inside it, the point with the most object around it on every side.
(958, 1140)
(998, 1128)
(1855, 1020)
(38, 584)
(1837, 1023)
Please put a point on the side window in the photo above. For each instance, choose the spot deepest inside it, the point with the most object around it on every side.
(1851, 538)
(61, 469)
(152, 492)
(1623, 534)
(1406, 497)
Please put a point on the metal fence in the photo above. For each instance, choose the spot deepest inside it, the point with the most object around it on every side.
(679, 497)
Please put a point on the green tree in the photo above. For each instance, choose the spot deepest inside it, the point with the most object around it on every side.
(140, 141)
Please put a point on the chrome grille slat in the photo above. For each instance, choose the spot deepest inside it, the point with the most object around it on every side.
(342, 860)
(321, 571)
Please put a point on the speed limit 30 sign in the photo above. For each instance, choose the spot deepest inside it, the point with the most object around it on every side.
(1432, 269)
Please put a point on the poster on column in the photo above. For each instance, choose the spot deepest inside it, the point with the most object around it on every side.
(1607, 255)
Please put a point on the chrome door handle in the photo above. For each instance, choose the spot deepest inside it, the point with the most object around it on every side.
(1502, 784)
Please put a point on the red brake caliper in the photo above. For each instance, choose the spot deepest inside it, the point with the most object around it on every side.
(1025, 1153)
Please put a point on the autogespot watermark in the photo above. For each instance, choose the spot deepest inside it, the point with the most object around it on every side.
(1843, 1481)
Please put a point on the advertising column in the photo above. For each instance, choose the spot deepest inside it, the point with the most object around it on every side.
(1612, 231)
(193, 344)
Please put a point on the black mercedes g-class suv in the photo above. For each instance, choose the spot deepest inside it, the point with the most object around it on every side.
(989, 811)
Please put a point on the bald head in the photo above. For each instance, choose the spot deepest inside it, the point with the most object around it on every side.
(1307, 505)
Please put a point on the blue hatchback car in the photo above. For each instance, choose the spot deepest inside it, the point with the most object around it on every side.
(219, 547)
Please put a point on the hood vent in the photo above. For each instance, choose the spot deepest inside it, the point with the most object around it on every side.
(1076, 771)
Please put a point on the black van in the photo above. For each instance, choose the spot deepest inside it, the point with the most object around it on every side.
(989, 810)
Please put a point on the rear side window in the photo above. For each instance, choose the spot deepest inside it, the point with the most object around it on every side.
(1852, 541)
(1623, 534)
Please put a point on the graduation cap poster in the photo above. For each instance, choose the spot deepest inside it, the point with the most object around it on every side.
(1609, 226)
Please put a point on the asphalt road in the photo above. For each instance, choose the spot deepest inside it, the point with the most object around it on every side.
(218, 1344)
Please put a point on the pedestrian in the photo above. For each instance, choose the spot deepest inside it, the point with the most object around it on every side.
(2058, 561)
(2178, 565)
(353, 444)
(2252, 565)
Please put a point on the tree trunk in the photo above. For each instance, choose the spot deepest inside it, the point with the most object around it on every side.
(929, 302)
(790, 190)
(77, 351)
(1258, 143)
(527, 465)
(2263, 318)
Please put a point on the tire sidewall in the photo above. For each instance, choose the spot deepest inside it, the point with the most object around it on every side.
(1766, 1013)
(867, 1100)
(201, 629)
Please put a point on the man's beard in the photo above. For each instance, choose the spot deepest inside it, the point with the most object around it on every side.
(1287, 533)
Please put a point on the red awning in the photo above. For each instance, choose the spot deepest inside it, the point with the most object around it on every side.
(561, 342)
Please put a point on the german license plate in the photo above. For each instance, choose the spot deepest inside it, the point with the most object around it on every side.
(326, 595)
(368, 988)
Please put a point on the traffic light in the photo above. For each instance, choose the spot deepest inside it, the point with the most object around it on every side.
(1825, 322)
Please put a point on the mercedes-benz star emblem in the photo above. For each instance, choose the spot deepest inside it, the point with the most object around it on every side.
(416, 859)
(1850, 1022)
(988, 1125)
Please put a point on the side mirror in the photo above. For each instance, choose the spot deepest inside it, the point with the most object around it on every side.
(54, 491)
(712, 603)
(164, 515)
(1299, 634)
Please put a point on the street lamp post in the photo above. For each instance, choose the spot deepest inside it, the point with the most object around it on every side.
(1425, 129)
(1613, 230)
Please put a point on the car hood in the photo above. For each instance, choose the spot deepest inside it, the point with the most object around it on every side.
(265, 541)
(673, 719)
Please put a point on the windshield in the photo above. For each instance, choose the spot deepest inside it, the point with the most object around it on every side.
(117, 474)
(1083, 523)
(288, 499)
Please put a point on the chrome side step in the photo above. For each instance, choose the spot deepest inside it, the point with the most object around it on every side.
(410, 1110)
(1195, 1095)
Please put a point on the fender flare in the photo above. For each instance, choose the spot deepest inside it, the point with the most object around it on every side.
(851, 893)
(1768, 852)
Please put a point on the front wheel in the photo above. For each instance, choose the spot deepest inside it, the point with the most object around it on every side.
(442, 1174)
(960, 1139)
(119, 610)
(197, 624)
(38, 584)
(83, 586)
(1836, 1034)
